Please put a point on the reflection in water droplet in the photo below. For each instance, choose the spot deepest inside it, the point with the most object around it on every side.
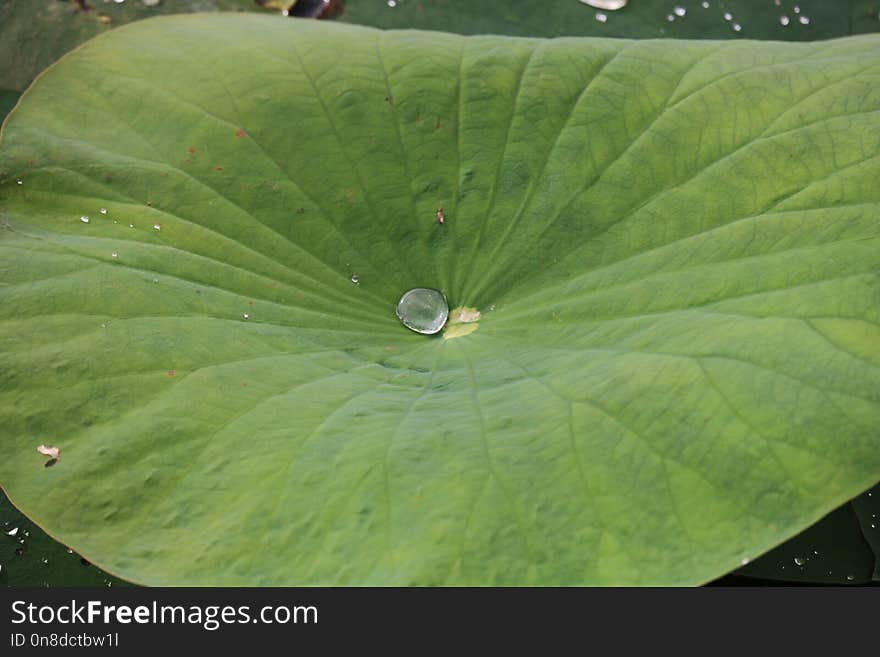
(799, 561)
(355, 279)
(157, 227)
(728, 16)
(797, 9)
(705, 5)
(784, 20)
(12, 532)
(679, 11)
(423, 310)
(103, 210)
(601, 17)
(670, 17)
(803, 20)
(392, 3)
(19, 182)
(850, 578)
(246, 316)
(737, 27)
(84, 219)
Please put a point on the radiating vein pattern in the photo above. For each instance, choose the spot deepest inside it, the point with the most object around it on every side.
(206, 225)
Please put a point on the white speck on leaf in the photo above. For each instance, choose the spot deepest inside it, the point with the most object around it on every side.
(49, 450)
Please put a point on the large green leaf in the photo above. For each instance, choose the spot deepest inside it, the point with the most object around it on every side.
(787, 20)
(673, 246)
(34, 33)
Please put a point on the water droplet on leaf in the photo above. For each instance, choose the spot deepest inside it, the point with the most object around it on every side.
(12, 532)
(799, 561)
(103, 210)
(355, 279)
(84, 219)
(607, 5)
(784, 20)
(601, 17)
(423, 310)
(679, 11)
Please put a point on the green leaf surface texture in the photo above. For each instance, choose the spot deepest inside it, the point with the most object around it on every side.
(673, 247)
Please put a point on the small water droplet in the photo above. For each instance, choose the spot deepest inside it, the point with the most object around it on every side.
(103, 210)
(114, 255)
(12, 532)
(745, 561)
(392, 3)
(69, 551)
(84, 219)
(799, 561)
(44, 560)
(679, 11)
(423, 310)
(157, 226)
(19, 551)
(355, 279)
(607, 5)
(797, 9)
(601, 17)
(245, 315)
(705, 5)
(803, 20)
(816, 552)
(737, 27)
(873, 526)
(151, 3)
(131, 225)
(850, 578)
(19, 182)
(670, 17)
(784, 20)
(728, 16)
